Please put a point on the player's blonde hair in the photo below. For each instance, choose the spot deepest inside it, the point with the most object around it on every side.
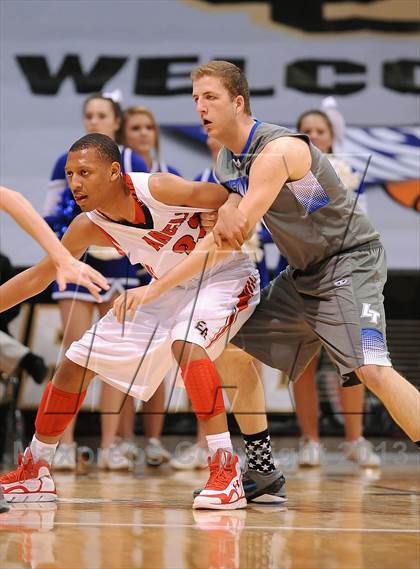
(140, 110)
(231, 76)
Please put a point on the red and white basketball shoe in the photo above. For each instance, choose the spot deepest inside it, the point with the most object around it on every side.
(30, 482)
(224, 490)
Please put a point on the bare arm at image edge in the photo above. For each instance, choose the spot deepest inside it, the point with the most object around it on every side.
(68, 269)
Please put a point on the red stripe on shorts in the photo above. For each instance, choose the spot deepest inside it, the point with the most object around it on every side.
(243, 301)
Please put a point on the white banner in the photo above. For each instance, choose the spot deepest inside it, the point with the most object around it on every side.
(52, 51)
(53, 54)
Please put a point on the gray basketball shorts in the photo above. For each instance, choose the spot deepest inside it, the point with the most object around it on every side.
(337, 304)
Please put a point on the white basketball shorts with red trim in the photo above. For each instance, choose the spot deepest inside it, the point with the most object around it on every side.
(135, 357)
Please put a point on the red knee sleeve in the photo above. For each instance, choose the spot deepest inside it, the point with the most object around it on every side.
(204, 388)
(56, 410)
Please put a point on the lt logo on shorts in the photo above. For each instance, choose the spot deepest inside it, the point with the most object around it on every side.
(368, 312)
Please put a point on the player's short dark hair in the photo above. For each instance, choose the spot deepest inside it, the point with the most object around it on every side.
(231, 76)
(104, 145)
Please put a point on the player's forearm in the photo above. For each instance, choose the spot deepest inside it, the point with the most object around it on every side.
(25, 215)
(26, 284)
(234, 199)
(203, 257)
(253, 210)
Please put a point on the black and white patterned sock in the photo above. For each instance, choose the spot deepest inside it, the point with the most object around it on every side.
(258, 452)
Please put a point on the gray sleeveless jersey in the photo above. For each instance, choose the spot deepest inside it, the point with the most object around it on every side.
(311, 219)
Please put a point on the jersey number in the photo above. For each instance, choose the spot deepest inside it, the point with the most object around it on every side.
(187, 243)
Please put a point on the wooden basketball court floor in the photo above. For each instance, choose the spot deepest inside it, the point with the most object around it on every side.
(337, 517)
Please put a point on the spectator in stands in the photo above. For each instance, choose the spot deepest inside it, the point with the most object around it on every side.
(14, 356)
(319, 127)
(141, 133)
(100, 114)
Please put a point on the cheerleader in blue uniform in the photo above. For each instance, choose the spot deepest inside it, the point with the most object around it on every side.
(100, 114)
(141, 133)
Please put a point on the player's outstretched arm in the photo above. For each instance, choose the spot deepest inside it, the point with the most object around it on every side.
(174, 190)
(27, 284)
(67, 267)
(81, 233)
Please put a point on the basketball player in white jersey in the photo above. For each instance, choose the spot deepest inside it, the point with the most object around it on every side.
(139, 214)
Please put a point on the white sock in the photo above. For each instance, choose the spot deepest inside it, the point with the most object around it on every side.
(42, 451)
(221, 440)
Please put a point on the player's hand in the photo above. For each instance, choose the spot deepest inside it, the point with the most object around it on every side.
(125, 306)
(208, 220)
(70, 270)
(231, 226)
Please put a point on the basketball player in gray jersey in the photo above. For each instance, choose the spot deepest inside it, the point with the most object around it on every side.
(331, 292)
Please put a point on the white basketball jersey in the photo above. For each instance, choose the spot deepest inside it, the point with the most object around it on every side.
(160, 236)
